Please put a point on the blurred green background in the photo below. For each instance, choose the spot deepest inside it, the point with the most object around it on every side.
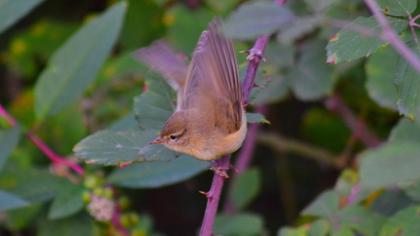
(306, 147)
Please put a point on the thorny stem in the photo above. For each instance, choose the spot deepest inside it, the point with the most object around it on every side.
(244, 158)
(213, 196)
(391, 36)
(54, 157)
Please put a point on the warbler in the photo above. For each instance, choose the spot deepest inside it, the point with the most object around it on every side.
(209, 120)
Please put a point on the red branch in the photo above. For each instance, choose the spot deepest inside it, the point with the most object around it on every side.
(213, 196)
(54, 157)
(358, 127)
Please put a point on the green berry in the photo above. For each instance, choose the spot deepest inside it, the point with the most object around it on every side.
(86, 196)
(91, 181)
(138, 232)
(125, 220)
(99, 191)
(108, 193)
(123, 202)
(134, 218)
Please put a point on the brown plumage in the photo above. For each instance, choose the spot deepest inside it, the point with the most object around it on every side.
(209, 120)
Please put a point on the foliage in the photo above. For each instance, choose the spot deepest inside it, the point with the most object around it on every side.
(329, 78)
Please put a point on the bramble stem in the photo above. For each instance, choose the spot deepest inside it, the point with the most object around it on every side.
(244, 159)
(213, 196)
(391, 36)
(54, 157)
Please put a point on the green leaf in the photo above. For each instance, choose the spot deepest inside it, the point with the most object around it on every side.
(75, 64)
(312, 77)
(76, 225)
(269, 90)
(11, 11)
(324, 205)
(185, 26)
(141, 13)
(279, 55)
(288, 231)
(252, 117)
(359, 219)
(32, 185)
(245, 188)
(403, 223)
(320, 227)
(413, 191)
(8, 140)
(254, 19)
(222, 6)
(389, 165)
(68, 202)
(389, 202)
(319, 5)
(157, 174)
(398, 7)
(405, 131)
(408, 88)
(298, 28)
(380, 83)
(124, 123)
(153, 107)
(348, 45)
(21, 218)
(116, 147)
(241, 224)
(9, 201)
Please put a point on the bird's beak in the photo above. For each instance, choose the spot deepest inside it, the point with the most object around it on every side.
(157, 140)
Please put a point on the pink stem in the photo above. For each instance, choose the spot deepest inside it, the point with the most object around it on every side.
(9, 119)
(359, 128)
(391, 36)
(55, 158)
(244, 158)
(213, 196)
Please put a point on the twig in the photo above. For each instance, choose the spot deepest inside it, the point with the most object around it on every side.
(213, 196)
(244, 159)
(282, 144)
(391, 36)
(358, 127)
(54, 157)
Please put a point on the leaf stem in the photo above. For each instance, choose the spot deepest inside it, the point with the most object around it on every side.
(391, 36)
(54, 157)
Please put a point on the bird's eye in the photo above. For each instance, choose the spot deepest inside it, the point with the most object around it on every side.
(173, 137)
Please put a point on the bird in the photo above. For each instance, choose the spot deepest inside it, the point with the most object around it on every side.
(209, 120)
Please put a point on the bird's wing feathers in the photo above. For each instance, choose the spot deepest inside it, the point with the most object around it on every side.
(161, 58)
(212, 80)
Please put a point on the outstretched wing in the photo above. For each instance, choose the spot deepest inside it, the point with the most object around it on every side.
(213, 82)
(161, 58)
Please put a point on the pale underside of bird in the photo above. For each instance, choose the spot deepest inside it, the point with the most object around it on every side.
(209, 120)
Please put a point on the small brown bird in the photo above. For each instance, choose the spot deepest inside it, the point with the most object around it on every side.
(209, 120)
